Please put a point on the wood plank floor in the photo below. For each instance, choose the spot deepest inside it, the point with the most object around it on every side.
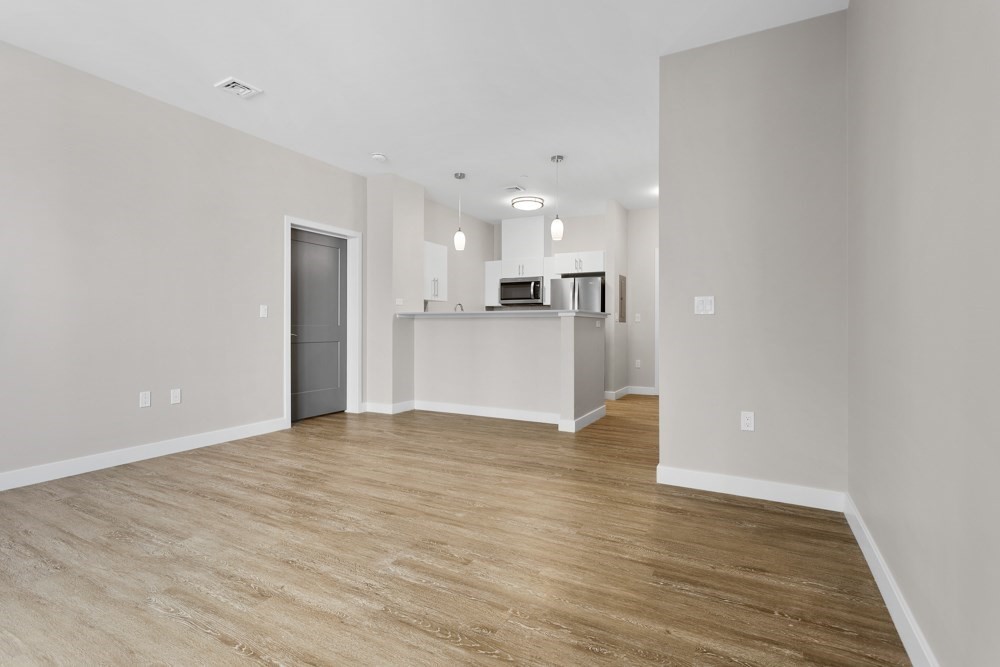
(428, 539)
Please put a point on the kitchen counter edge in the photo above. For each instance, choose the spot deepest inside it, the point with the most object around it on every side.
(504, 314)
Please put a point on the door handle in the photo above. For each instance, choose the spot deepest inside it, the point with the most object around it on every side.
(296, 335)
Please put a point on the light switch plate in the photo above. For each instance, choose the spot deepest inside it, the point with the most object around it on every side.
(399, 302)
(704, 305)
(143, 399)
(175, 396)
(638, 317)
(263, 310)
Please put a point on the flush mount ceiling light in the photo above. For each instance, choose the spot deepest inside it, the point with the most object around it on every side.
(527, 203)
(557, 224)
(459, 235)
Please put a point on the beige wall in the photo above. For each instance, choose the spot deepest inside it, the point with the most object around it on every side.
(617, 265)
(394, 270)
(379, 295)
(607, 232)
(137, 242)
(465, 268)
(643, 239)
(924, 323)
(752, 211)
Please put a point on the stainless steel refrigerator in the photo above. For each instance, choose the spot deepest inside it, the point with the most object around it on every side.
(580, 293)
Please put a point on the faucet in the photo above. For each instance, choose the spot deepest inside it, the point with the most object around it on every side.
(459, 307)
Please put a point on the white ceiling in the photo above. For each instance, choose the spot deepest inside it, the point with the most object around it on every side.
(488, 87)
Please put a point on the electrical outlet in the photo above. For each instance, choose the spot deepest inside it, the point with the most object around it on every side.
(746, 421)
(638, 364)
(143, 399)
(263, 310)
(638, 318)
(175, 396)
(597, 323)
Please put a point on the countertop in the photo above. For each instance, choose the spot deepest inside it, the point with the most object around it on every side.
(504, 314)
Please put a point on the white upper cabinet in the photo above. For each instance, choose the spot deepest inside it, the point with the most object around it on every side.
(523, 267)
(580, 262)
(522, 242)
(435, 272)
(491, 294)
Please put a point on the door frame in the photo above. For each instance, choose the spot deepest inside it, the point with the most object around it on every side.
(656, 320)
(354, 305)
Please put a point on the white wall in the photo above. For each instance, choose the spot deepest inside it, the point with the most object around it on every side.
(924, 323)
(137, 242)
(465, 268)
(643, 240)
(752, 211)
(582, 234)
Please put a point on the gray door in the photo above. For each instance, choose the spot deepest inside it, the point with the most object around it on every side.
(319, 314)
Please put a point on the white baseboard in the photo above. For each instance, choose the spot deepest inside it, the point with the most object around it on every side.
(781, 492)
(616, 394)
(625, 391)
(910, 633)
(388, 408)
(58, 469)
(574, 425)
(484, 411)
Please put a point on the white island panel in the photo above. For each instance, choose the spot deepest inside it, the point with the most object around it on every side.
(540, 365)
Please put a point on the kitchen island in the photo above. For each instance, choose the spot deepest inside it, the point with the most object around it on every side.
(531, 365)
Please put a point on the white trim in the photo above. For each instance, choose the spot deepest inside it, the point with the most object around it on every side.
(58, 469)
(656, 320)
(615, 394)
(781, 492)
(574, 425)
(388, 408)
(355, 281)
(644, 391)
(485, 411)
(913, 638)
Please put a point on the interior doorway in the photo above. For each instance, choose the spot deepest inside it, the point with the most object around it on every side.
(319, 324)
(351, 297)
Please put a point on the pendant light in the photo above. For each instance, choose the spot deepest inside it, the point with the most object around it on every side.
(459, 235)
(557, 224)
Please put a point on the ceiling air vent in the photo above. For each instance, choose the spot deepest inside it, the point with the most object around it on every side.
(513, 188)
(238, 88)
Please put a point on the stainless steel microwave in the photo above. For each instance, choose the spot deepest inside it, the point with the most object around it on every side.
(517, 291)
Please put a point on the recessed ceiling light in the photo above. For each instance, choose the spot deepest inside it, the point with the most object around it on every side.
(379, 157)
(527, 203)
